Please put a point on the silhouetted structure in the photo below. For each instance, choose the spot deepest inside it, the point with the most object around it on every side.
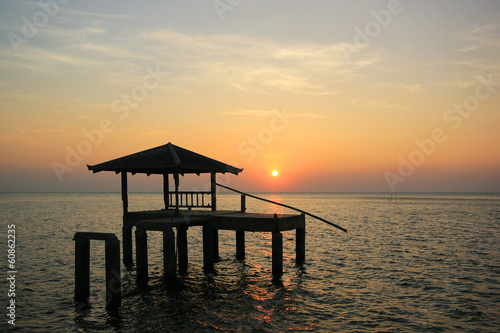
(172, 160)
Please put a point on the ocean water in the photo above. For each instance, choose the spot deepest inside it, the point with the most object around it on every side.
(420, 263)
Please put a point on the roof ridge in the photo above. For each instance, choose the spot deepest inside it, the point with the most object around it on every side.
(175, 157)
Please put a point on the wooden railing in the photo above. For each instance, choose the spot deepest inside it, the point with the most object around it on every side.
(243, 200)
(190, 199)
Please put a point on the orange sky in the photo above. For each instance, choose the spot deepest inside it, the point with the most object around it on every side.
(266, 86)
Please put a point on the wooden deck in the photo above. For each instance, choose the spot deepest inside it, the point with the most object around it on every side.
(220, 219)
(212, 222)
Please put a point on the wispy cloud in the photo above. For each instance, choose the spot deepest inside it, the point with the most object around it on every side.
(414, 88)
(378, 104)
(258, 65)
(459, 83)
(271, 113)
(481, 35)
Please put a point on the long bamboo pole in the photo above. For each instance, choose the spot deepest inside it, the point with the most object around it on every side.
(286, 206)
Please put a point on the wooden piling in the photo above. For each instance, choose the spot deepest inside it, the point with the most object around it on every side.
(300, 246)
(169, 256)
(208, 249)
(113, 275)
(182, 247)
(127, 243)
(277, 253)
(82, 269)
(277, 249)
(240, 244)
(215, 242)
(141, 241)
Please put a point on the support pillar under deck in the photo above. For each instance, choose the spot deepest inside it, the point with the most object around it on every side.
(240, 244)
(182, 247)
(300, 245)
(169, 255)
(208, 249)
(128, 259)
(277, 253)
(141, 244)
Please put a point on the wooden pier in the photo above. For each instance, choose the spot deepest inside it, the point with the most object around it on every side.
(186, 209)
(212, 222)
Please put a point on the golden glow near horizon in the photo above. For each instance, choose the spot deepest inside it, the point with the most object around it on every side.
(349, 96)
(275, 173)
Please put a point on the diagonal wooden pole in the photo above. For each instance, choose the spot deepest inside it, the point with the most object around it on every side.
(286, 206)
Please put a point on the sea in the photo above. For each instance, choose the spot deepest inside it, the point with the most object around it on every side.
(411, 262)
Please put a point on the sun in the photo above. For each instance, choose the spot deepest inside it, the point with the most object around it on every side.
(274, 173)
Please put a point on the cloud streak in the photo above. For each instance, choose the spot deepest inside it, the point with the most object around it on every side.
(271, 113)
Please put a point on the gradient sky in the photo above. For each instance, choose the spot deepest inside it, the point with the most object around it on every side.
(335, 95)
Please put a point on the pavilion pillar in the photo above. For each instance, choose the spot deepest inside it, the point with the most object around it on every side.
(176, 180)
(165, 191)
(127, 227)
(124, 192)
(213, 189)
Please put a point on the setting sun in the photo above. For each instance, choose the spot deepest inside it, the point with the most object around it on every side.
(274, 173)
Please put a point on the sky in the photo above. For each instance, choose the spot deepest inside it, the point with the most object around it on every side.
(337, 96)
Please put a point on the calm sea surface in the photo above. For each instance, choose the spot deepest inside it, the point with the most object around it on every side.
(421, 263)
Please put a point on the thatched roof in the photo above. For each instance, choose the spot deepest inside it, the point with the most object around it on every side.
(165, 159)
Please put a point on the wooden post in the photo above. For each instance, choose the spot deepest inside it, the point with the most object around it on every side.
(82, 270)
(176, 179)
(243, 203)
(277, 250)
(208, 249)
(182, 247)
(113, 274)
(240, 244)
(240, 234)
(300, 245)
(141, 241)
(127, 243)
(169, 257)
(124, 192)
(165, 191)
(216, 244)
(277, 253)
(213, 189)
